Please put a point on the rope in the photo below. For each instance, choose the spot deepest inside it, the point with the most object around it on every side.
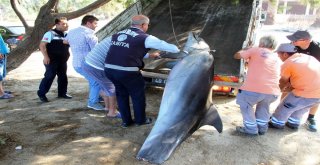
(174, 33)
(207, 20)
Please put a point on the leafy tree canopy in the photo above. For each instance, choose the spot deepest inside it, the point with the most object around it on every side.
(32, 7)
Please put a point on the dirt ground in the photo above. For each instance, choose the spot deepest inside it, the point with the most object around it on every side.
(66, 132)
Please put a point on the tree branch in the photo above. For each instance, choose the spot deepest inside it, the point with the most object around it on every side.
(84, 10)
(15, 9)
(51, 4)
(56, 7)
(47, 11)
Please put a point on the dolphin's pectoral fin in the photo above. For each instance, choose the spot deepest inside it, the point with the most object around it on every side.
(212, 118)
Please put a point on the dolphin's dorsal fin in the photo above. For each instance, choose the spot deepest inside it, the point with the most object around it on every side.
(212, 118)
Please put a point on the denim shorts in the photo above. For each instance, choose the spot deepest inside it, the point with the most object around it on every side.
(3, 71)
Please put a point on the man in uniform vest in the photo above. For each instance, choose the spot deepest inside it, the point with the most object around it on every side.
(55, 57)
(123, 64)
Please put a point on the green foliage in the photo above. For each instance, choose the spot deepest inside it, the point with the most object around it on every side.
(6, 10)
(274, 2)
(113, 8)
(281, 8)
(313, 3)
(30, 8)
(128, 3)
(235, 2)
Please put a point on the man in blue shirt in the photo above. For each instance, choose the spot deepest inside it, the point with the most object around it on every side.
(82, 40)
(123, 64)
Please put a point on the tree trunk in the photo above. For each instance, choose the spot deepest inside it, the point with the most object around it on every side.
(31, 39)
(285, 6)
(307, 9)
(43, 22)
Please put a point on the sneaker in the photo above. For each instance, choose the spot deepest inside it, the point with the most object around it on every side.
(126, 125)
(311, 125)
(65, 96)
(148, 121)
(9, 92)
(101, 100)
(275, 126)
(6, 96)
(96, 107)
(42, 98)
(242, 130)
(289, 125)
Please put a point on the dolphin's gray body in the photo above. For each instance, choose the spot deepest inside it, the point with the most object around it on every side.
(186, 103)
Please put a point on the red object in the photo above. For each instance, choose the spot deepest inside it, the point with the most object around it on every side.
(20, 38)
(226, 78)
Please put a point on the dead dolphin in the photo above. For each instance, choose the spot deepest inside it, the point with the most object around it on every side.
(186, 103)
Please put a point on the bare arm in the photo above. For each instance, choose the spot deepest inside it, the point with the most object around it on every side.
(43, 49)
(156, 43)
(1, 56)
(154, 54)
(237, 55)
(284, 84)
(66, 42)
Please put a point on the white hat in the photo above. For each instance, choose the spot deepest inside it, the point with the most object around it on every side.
(286, 47)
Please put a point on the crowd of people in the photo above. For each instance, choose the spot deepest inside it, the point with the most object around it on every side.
(112, 67)
(296, 80)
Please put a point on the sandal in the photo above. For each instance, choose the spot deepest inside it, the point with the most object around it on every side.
(8, 92)
(6, 96)
(117, 116)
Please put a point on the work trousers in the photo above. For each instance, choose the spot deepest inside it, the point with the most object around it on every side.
(255, 121)
(54, 68)
(100, 77)
(129, 83)
(291, 110)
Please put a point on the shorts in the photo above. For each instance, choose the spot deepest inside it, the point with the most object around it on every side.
(3, 70)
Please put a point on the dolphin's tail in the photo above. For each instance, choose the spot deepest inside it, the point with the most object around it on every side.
(212, 118)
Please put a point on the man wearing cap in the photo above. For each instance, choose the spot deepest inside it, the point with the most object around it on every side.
(301, 73)
(304, 44)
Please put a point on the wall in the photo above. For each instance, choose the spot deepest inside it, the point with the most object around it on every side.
(294, 15)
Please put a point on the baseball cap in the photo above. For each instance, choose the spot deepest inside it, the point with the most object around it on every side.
(286, 47)
(299, 35)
